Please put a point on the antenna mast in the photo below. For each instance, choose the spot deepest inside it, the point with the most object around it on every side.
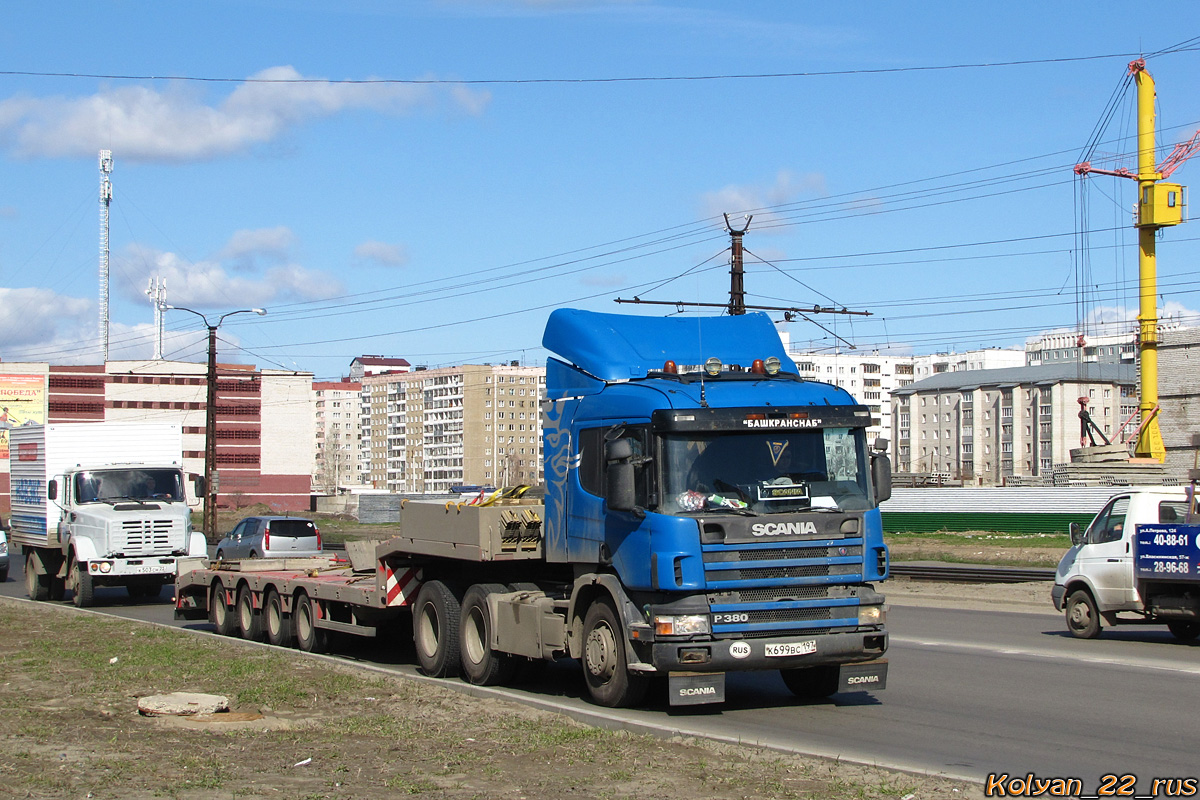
(157, 292)
(106, 166)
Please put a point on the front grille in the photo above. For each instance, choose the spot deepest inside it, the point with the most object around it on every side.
(768, 573)
(779, 589)
(149, 537)
(779, 554)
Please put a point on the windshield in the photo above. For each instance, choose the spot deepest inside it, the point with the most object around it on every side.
(767, 473)
(102, 486)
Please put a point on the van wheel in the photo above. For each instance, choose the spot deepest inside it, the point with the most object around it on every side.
(605, 666)
(85, 590)
(482, 665)
(249, 623)
(1184, 630)
(218, 610)
(36, 586)
(1083, 620)
(811, 683)
(309, 637)
(435, 630)
(279, 624)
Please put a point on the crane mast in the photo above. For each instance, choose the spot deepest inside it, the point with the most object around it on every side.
(1160, 205)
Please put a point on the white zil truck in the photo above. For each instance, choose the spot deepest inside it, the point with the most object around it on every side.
(100, 504)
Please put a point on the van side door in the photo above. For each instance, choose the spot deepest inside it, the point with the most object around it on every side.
(1107, 556)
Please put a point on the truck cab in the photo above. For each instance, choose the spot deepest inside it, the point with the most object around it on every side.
(1097, 581)
(733, 504)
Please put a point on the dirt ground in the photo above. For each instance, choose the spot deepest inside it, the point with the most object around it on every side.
(304, 728)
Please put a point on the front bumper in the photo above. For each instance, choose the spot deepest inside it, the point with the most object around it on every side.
(1057, 594)
(118, 570)
(737, 655)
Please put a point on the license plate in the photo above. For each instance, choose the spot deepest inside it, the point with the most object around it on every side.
(792, 648)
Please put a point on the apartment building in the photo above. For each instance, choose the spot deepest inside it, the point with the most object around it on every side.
(983, 426)
(872, 378)
(427, 430)
(336, 411)
(264, 422)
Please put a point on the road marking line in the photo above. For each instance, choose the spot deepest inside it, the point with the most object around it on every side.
(1139, 663)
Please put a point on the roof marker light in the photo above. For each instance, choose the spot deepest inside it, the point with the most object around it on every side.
(757, 367)
(713, 366)
(670, 368)
(772, 365)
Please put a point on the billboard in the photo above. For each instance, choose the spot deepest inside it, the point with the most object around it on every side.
(22, 402)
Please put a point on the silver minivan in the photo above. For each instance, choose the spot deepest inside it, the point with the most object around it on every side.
(271, 537)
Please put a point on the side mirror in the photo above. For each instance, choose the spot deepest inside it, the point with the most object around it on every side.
(881, 476)
(1077, 533)
(52, 490)
(200, 486)
(621, 492)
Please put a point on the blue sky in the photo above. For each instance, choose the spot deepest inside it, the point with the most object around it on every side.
(441, 221)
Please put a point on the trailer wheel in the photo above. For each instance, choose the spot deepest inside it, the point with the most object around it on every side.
(218, 610)
(309, 637)
(36, 586)
(811, 683)
(482, 665)
(85, 589)
(1083, 619)
(435, 630)
(605, 667)
(249, 623)
(279, 624)
(1185, 630)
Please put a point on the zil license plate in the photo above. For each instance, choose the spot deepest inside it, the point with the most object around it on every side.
(792, 648)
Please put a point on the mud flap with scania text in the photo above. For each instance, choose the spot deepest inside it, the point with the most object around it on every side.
(866, 677)
(696, 688)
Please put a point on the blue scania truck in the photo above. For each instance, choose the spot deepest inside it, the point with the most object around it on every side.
(706, 511)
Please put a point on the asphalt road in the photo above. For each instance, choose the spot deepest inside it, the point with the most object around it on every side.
(969, 693)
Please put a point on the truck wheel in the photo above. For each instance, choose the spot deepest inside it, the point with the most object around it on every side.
(605, 667)
(4, 575)
(58, 587)
(249, 623)
(85, 590)
(309, 637)
(1184, 630)
(218, 611)
(36, 586)
(279, 624)
(481, 665)
(811, 683)
(1083, 620)
(435, 630)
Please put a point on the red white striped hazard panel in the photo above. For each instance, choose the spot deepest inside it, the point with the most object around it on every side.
(402, 584)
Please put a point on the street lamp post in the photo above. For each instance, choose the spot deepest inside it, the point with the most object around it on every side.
(210, 417)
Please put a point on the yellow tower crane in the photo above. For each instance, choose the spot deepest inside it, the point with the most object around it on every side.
(1159, 205)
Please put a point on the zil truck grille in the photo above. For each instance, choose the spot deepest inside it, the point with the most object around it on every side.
(782, 589)
(148, 537)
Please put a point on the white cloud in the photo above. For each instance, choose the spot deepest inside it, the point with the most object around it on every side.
(382, 253)
(8, 212)
(246, 245)
(754, 199)
(175, 124)
(605, 281)
(211, 284)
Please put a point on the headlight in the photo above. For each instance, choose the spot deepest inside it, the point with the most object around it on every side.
(105, 567)
(684, 625)
(871, 615)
